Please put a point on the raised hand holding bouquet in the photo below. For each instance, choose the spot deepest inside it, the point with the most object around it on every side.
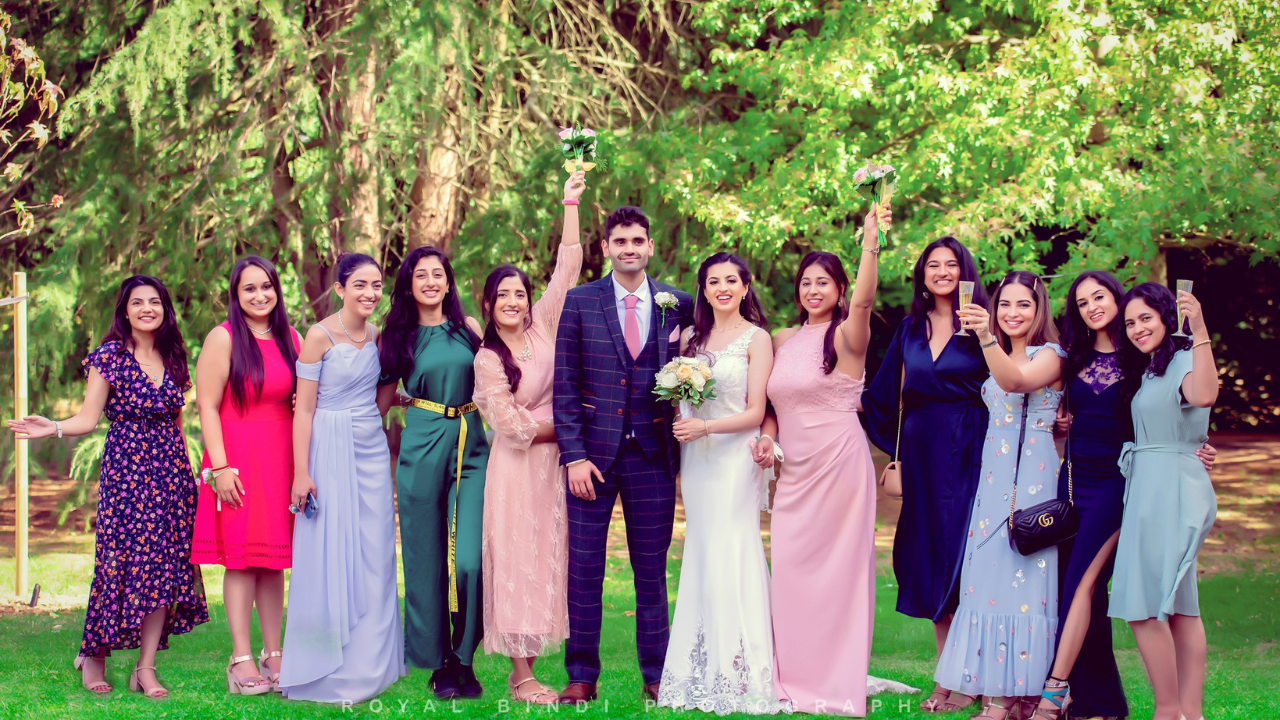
(876, 183)
(686, 382)
(578, 145)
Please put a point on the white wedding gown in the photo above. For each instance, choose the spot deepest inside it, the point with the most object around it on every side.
(720, 656)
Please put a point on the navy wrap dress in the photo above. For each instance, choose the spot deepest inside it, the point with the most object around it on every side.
(943, 429)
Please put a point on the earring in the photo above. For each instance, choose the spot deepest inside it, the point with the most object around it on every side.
(925, 294)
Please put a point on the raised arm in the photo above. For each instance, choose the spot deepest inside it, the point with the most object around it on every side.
(1200, 386)
(856, 328)
(1045, 368)
(546, 311)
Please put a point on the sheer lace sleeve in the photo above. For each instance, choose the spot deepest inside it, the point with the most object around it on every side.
(546, 312)
(498, 405)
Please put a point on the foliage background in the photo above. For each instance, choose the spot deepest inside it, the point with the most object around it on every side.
(1134, 135)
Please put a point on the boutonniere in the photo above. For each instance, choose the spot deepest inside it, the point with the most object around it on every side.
(666, 301)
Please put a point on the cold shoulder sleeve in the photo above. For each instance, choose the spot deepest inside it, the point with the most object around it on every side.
(309, 371)
(498, 404)
(546, 312)
(1055, 347)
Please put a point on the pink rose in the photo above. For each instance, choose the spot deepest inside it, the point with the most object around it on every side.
(860, 174)
(565, 133)
(588, 132)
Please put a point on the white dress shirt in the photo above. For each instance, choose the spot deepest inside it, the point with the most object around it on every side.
(644, 308)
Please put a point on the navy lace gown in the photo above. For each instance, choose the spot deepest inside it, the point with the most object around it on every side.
(944, 426)
(1101, 425)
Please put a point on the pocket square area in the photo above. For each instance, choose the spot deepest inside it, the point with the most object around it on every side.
(674, 336)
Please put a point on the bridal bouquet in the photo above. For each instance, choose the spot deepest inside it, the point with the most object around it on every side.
(876, 183)
(578, 145)
(686, 382)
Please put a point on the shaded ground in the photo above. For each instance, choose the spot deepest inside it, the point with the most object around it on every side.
(1246, 535)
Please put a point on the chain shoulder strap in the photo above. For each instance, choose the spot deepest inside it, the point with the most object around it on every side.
(897, 445)
(1017, 459)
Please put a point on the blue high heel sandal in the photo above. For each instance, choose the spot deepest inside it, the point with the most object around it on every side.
(1059, 695)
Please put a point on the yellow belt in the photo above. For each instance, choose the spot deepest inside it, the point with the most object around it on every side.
(451, 412)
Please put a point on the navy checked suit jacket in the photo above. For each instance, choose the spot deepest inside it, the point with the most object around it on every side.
(592, 360)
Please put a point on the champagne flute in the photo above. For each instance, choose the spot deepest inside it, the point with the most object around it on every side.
(1184, 286)
(966, 297)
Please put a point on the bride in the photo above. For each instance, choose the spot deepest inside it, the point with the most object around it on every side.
(720, 656)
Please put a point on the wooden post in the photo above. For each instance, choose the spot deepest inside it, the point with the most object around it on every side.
(21, 448)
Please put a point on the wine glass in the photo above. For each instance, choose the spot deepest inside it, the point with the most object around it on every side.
(966, 297)
(1184, 286)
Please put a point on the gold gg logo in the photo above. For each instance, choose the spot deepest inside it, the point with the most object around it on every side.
(1045, 520)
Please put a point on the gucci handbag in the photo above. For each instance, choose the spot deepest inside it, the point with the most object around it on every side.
(1044, 525)
(891, 478)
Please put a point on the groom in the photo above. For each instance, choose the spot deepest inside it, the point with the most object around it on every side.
(615, 439)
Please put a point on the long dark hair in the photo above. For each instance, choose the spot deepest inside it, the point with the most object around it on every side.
(833, 267)
(1160, 299)
(246, 357)
(491, 339)
(704, 318)
(1078, 337)
(400, 324)
(922, 301)
(1042, 328)
(168, 339)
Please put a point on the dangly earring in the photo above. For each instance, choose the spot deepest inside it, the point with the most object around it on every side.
(925, 294)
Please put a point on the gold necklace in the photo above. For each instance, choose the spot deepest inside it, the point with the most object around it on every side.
(527, 352)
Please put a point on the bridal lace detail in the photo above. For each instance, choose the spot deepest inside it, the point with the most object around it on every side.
(742, 689)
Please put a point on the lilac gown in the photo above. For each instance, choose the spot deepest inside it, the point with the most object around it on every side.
(342, 637)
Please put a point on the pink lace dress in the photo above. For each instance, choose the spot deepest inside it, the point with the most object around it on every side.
(823, 534)
(525, 537)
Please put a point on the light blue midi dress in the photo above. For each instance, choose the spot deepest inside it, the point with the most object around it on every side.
(342, 638)
(1001, 640)
(1169, 504)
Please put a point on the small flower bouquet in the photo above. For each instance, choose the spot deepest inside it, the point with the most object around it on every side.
(666, 301)
(578, 145)
(876, 183)
(686, 382)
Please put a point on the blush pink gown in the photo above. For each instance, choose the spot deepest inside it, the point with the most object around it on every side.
(823, 534)
(524, 546)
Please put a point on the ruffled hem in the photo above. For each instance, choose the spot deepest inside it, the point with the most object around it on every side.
(997, 654)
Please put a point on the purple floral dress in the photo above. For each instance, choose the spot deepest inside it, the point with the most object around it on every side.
(146, 512)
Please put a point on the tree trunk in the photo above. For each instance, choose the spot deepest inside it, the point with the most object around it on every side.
(363, 231)
(287, 211)
(436, 199)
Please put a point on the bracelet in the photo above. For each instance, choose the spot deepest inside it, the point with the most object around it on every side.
(1193, 347)
(209, 474)
(570, 202)
(765, 435)
(220, 468)
(706, 427)
(990, 344)
(57, 427)
(575, 462)
(875, 251)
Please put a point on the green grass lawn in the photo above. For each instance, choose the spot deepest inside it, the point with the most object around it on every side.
(37, 680)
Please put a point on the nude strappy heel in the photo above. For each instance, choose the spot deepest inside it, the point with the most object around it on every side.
(101, 687)
(156, 693)
(265, 671)
(236, 686)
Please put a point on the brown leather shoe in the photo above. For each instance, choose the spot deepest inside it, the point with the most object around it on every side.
(652, 691)
(578, 693)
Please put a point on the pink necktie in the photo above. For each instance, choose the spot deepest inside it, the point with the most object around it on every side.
(631, 326)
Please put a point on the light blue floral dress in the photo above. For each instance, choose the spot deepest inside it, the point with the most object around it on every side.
(1002, 638)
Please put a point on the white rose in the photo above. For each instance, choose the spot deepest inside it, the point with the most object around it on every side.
(665, 299)
(698, 381)
(668, 379)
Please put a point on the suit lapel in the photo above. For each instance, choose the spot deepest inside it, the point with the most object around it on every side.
(609, 306)
(656, 322)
